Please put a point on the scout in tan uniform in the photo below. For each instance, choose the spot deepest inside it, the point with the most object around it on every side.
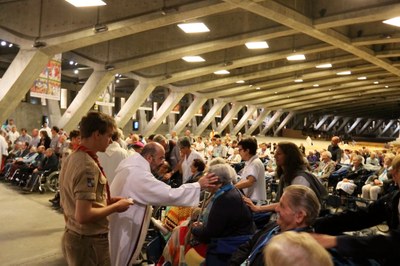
(85, 196)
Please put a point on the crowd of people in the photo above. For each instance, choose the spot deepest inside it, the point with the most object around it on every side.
(214, 187)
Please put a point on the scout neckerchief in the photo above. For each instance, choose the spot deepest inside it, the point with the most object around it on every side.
(93, 155)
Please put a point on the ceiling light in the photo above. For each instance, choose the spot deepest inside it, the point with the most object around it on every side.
(276, 92)
(342, 73)
(315, 85)
(393, 21)
(298, 80)
(193, 27)
(257, 45)
(240, 81)
(362, 78)
(117, 81)
(376, 82)
(324, 66)
(194, 58)
(86, 3)
(386, 86)
(10, 45)
(3, 43)
(100, 28)
(76, 71)
(258, 88)
(296, 57)
(71, 62)
(222, 72)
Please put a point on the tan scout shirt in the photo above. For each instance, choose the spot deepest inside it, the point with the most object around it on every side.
(81, 179)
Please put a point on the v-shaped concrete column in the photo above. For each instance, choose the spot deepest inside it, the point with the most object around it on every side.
(243, 120)
(137, 98)
(210, 116)
(387, 127)
(228, 118)
(87, 96)
(283, 123)
(258, 121)
(19, 78)
(169, 104)
(358, 120)
(271, 122)
(190, 112)
(322, 121)
(364, 127)
(334, 121)
(345, 121)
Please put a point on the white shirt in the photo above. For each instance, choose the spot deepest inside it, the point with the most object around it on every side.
(187, 162)
(12, 136)
(200, 148)
(134, 180)
(111, 158)
(254, 167)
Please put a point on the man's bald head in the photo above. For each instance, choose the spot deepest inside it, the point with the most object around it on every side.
(335, 140)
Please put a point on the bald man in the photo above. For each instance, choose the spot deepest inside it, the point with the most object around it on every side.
(134, 179)
(335, 150)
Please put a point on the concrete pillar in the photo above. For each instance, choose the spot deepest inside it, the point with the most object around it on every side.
(228, 118)
(364, 127)
(334, 121)
(284, 122)
(358, 120)
(19, 78)
(322, 121)
(271, 122)
(345, 121)
(395, 131)
(139, 95)
(258, 122)
(243, 120)
(190, 112)
(387, 127)
(87, 96)
(142, 120)
(209, 117)
(54, 111)
(162, 112)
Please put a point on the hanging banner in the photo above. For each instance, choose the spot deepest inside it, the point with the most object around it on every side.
(48, 85)
(107, 98)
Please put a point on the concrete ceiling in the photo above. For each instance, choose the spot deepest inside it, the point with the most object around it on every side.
(143, 40)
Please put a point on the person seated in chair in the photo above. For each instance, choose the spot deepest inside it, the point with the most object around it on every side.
(326, 167)
(349, 183)
(297, 210)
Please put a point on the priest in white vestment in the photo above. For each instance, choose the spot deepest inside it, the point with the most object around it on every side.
(134, 179)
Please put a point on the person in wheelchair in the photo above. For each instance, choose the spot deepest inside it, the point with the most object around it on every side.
(24, 170)
(50, 164)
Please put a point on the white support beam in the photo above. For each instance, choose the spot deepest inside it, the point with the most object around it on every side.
(387, 127)
(344, 123)
(137, 98)
(87, 96)
(395, 131)
(19, 78)
(258, 121)
(172, 100)
(271, 122)
(284, 122)
(243, 120)
(358, 120)
(190, 112)
(228, 118)
(209, 117)
(364, 127)
(334, 121)
(378, 125)
(322, 121)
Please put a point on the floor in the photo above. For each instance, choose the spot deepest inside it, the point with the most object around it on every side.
(30, 230)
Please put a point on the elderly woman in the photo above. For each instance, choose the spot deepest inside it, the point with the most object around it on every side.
(197, 169)
(297, 210)
(348, 184)
(326, 167)
(225, 216)
(375, 183)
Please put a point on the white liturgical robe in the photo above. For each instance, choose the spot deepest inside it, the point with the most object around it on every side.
(134, 180)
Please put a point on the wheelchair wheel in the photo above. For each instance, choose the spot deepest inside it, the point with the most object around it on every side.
(52, 181)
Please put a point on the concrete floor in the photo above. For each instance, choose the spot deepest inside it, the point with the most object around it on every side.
(30, 230)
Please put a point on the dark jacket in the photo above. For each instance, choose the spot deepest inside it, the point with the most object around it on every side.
(385, 248)
(336, 153)
(243, 252)
(50, 163)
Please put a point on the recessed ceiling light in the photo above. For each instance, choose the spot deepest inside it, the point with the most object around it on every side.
(193, 27)
(222, 72)
(342, 73)
(362, 78)
(330, 90)
(393, 21)
(376, 82)
(3, 43)
(298, 80)
(194, 58)
(315, 85)
(10, 45)
(240, 81)
(71, 62)
(324, 66)
(76, 71)
(258, 88)
(276, 92)
(386, 86)
(296, 57)
(257, 45)
(86, 3)
(117, 80)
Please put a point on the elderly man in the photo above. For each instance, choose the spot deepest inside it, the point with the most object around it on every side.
(188, 155)
(326, 167)
(134, 178)
(335, 150)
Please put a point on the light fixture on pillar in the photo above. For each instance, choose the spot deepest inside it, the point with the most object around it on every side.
(99, 27)
(295, 56)
(38, 44)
